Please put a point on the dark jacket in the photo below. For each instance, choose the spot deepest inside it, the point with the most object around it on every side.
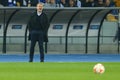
(33, 2)
(4, 2)
(43, 22)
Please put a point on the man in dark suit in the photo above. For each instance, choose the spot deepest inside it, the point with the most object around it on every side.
(38, 27)
(4, 2)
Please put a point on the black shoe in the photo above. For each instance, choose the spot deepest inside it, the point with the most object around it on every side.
(42, 60)
(30, 61)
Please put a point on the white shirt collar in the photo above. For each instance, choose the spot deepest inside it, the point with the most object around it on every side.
(39, 13)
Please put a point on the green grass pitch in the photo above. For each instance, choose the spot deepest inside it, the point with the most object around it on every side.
(57, 71)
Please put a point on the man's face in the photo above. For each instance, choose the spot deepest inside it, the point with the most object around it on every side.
(39, 7)
(63, 1)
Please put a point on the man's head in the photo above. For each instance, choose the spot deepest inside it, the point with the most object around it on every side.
(39, 7)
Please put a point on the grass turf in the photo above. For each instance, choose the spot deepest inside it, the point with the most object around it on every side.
(58, 71)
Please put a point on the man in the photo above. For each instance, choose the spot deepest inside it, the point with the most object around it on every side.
(72, 3)
(63, 3)
(38, 27)
(100, 3)
(4, 2)
(19, 2)
(32, 2)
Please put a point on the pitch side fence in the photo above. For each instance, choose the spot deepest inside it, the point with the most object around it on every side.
(64, 23)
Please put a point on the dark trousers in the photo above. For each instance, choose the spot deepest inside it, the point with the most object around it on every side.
(36, 36)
